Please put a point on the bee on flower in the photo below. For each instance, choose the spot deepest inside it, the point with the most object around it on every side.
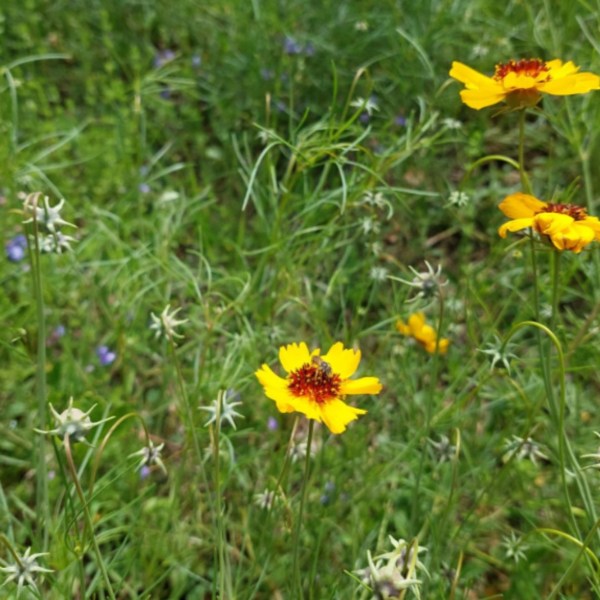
(521, 83)
(316, 385)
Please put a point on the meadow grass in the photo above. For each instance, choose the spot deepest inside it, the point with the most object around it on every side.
(273, 171)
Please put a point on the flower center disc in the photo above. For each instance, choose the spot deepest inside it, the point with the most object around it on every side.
(578, 213)
(316, 382)
(530, 67)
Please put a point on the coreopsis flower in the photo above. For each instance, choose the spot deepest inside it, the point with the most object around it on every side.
(567, 226)
(521, 83)
(425, 334)
(316, 385)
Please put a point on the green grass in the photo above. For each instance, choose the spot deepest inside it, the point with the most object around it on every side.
(233, 181)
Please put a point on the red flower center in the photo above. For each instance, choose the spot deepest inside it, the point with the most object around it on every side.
(531, 67)
(572, 210)
(316, 381)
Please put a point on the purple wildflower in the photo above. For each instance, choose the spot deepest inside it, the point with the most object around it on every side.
(144, 188)
(15, 248)
(105, 355)
(162, 57)
(400, 121)
(291, 46)
(272, 424)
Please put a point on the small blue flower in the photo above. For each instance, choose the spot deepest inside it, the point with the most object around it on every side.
(15, 248)
(196, 61)
(105, 355)
(162, 57)
(400, 121)
(266, 74)
(272, 424)
(144, 188)
(291, 46)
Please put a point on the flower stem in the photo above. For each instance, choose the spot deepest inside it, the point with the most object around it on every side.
(42, 505)
(298, 525)
(186, 409)
(525, 183)
(88, 517)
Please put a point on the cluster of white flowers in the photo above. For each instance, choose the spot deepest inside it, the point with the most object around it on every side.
(48, 219)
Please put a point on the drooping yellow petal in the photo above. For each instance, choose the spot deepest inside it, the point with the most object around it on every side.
(293, 356)
(574, 238)
(549, 223)
(519, 206)
(479, 99)
(362, 385)
(344, 362)
(515, 225)
(593, 223)
(337, 414)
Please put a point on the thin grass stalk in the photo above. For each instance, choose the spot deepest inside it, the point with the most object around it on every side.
(88, 517)
(42, 504)
(298, 525)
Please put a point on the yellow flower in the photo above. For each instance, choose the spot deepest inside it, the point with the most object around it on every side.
(316, 385)
(568, 226)
(423, 333)
(521, 83)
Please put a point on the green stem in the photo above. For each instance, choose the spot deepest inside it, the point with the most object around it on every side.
(567, 458)
(224, 581)
(525, 183)
(88, 516)
(298, 526)
(42, 504)
(185, 404)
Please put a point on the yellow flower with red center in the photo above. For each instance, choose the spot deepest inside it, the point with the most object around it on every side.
(521, 83)
(418, 329)
(316, 385)
(568, 226)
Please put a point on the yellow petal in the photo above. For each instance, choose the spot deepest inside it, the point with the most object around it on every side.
(518, 81)
(593, 223)
(574, 238)
(402, 327)
(515, 225)
(307, 407)
(552, 223)
(293, 356)
(268, 378)
(337, 414)
(469, 76)
(482, 98)
(362, 385)
(519, 206)
(576, 83)
(426, 335)
(344, 362)
(275, 388)
(416, 322)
